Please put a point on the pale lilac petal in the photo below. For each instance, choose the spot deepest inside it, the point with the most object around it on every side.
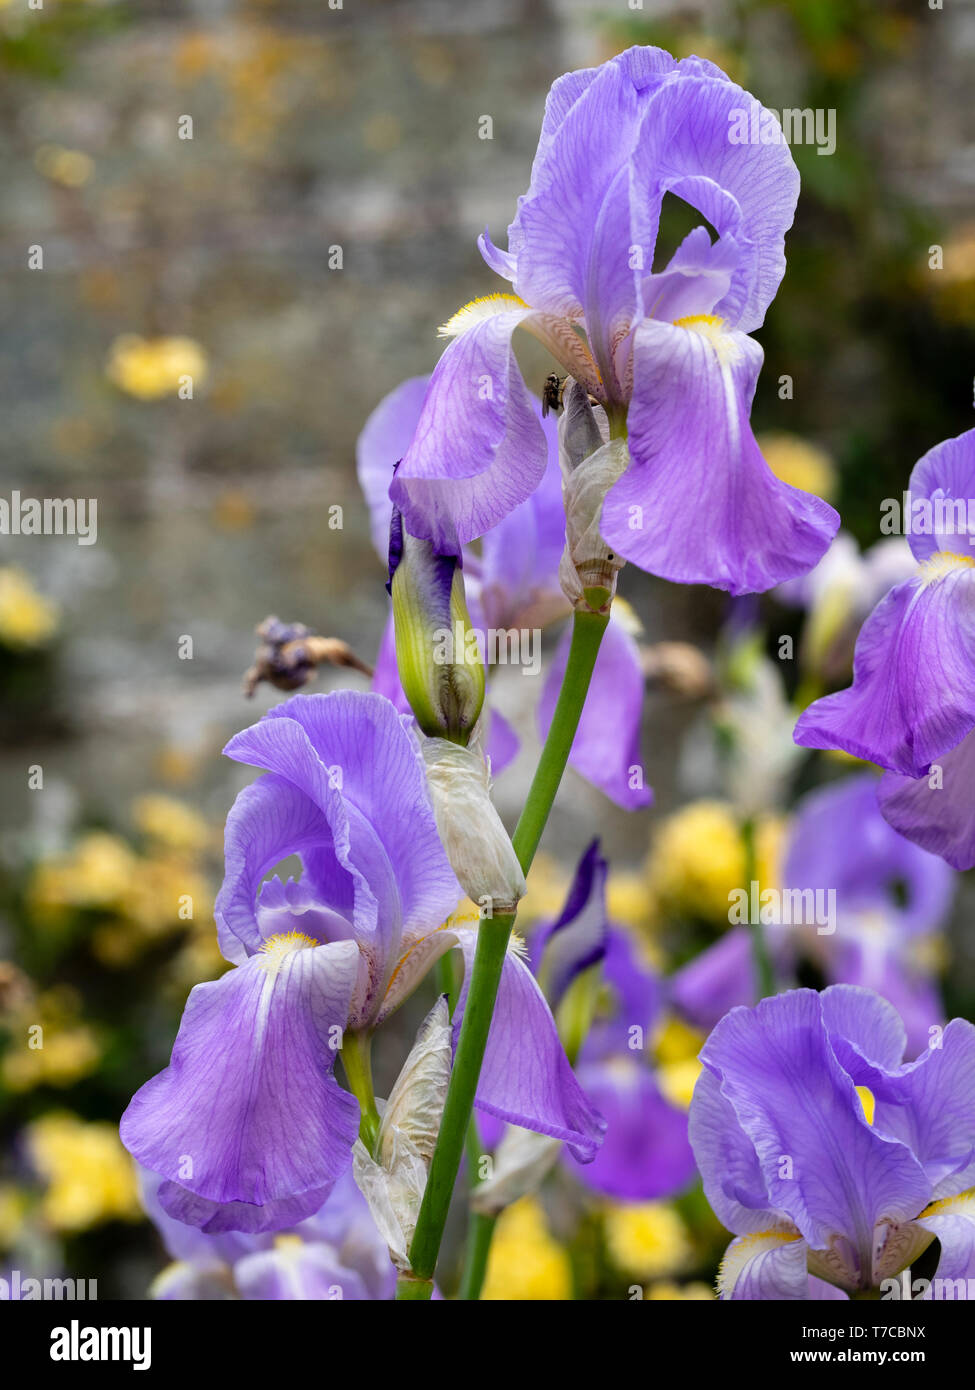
(768, 1266)
(913, 692)
(247, 1124)
(526, 1078)
(939, 817)
(953, 1222)
(699, 504)
(729, 1166)
(779, 1072)
(479, 449)
(385, 438)
(297, 1271)
(717, 979)
(351, 755)
(747, 191)
(606, 748)
(946, 474)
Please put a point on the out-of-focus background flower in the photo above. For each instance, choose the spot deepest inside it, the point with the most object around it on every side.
(229, 229)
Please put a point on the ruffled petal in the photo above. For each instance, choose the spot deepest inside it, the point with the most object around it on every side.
(779, 1072)
(729, 1166)
(606, 748)
(479, 449)
(247, 1124)
(945, 476)
(699, 504)
(953, 1222)
(526, 1078)
(913, 692)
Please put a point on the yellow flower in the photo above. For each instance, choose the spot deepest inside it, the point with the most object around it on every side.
(13, 1209)
(698, 858)
(525, 1261)
(628, 900)
(27, 619)
(172, 823)
(675, 1046)
(646, 1238)
(799, 463)
(667, 1291)
(150, 368)
(95, 874)
(51, 1046)
(90, 1178)
(69, 168)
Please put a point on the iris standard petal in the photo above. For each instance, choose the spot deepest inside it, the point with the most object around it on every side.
(913, 692)
(247, 1124)
(699, 504)
(945, 476)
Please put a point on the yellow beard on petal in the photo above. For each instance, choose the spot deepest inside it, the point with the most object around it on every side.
(487, 307)
(745, 1248)
(276, 949)
(943, 563)
(712, 328)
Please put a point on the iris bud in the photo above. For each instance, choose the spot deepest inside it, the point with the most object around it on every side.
(440, 665)
(590, 467)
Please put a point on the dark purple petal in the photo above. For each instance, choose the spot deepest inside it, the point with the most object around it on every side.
(577, 938)
(645, 1152)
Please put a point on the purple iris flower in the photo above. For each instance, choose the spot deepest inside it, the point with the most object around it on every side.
(827, 1156)
(911, 707)
(513, 586)
(891, 899)
(667, 350)
(645, 1153)
(247, 1125)
(336, 1254)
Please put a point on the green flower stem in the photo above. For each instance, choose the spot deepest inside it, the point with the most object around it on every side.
(356, 1057)
(480, 1231)
(492, 943)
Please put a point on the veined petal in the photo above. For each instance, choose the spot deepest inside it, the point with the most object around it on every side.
(778, 1070)
(247, 1124)
(478, 450)
(690, 145)
(945, 476)
(913, 692)
(768, 1265)
(526, 1078)
(699, 504)
(733, 1181)
(606, 748)
(937, 812)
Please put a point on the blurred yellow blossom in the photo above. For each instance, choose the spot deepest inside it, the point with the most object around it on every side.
(675, 1046)
(799, 463)
(646, 1238)
(698, 858)
(14, 1203)
(526, 1262)
(172, 823)
(90, 1178)
(94, 874)
(665, 1291)
(150, 368)
(627, 899)
(27, 619)
(70, 168)
(49, 1043)
(677, 1081)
